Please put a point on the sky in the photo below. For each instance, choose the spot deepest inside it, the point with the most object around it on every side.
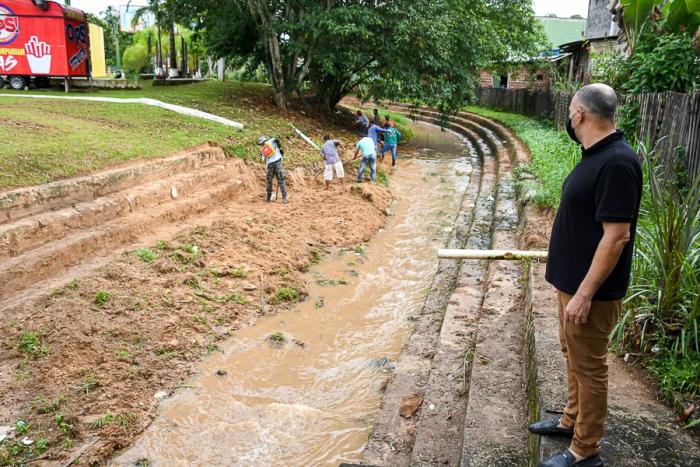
(563, 8)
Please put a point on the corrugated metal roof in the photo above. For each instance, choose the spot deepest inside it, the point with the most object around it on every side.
(563, 30)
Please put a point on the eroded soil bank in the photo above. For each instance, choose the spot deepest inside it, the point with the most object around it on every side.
(81, 364)
(303, 387)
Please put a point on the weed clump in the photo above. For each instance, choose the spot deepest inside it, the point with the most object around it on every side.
(286, 295)
(102, 297)
(30, 344)
(146, 255)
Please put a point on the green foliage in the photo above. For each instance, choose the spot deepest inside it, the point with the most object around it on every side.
(664, 300)
(102, 297)
(676, 375)
(285, 295)
(331, 48)
(609, 67)
(664, 62)
(63, 426)
(135, 58)
(553, 156)
(627, 119)
(234, 297)
(146, 254)
(30, 344)
(21, 427)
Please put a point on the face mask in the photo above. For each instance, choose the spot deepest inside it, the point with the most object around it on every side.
(570, 130)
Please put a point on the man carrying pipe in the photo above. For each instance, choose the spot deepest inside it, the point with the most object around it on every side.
(271, 151)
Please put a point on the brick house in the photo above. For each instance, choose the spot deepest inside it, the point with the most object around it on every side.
(558, 31)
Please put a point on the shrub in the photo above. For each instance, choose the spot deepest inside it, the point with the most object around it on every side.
(135, 58)
(664, 301)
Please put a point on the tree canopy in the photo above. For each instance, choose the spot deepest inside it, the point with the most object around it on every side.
(427, 51)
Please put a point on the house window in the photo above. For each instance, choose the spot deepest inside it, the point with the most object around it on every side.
(504, 82)
(540, 76)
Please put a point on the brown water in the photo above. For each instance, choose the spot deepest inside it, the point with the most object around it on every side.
(311, 401)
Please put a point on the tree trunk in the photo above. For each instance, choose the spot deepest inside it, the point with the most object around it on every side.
(275, 67)
(149, 55)
(159, 51)
(173, 52)
(221, 69)
(210, 66)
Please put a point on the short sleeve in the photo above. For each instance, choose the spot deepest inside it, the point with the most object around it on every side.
(617, 194)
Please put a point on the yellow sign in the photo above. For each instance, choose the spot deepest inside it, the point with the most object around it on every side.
(97, 52)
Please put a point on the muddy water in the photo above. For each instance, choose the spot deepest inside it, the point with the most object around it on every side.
(311, 400)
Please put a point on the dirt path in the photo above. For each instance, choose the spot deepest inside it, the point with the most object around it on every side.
(82, 363)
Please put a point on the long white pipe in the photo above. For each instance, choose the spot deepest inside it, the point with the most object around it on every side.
(305, 138)
(491, 254)
(140, 100)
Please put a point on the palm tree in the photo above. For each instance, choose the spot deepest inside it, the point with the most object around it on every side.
(163, 18)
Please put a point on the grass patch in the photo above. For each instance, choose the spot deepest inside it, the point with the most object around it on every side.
(30, 344)
(239, 273)
(102, 297)
(553, 156)
(146, 255)
(234, 297)
(84, 137)
(285, 295)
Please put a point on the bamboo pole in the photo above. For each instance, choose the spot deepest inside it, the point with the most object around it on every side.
(515, 255)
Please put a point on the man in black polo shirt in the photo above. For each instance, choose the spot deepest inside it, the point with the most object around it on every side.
(590, 258)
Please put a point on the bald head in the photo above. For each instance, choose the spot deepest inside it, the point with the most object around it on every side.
(599, 100)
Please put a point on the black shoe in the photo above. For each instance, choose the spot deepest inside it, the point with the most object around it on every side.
(550, 428)
(567, 459)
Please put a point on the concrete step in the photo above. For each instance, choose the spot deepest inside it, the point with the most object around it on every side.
(24, 202)
(393, 435)
(34, 231)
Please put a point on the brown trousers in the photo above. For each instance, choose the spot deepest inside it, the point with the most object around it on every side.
(585, 348)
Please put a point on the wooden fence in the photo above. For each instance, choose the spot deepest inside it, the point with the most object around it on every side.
(666, 120)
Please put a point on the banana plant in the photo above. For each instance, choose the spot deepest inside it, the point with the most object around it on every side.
(674, 15)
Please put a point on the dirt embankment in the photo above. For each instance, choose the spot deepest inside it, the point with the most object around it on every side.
(83, 364)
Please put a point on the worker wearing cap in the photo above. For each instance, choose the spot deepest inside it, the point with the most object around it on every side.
(272, 153)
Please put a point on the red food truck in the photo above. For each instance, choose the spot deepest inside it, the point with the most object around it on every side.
(41, 39)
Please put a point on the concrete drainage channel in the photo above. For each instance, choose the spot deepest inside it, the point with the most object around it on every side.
(484, 358)
(458, 394)
(47, 230)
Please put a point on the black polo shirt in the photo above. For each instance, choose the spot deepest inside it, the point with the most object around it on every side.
(605, 186)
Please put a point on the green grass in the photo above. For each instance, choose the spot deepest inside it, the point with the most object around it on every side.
(146, 255)
(553, 156)
(46, 140)
(285, 295)
(102, 297)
